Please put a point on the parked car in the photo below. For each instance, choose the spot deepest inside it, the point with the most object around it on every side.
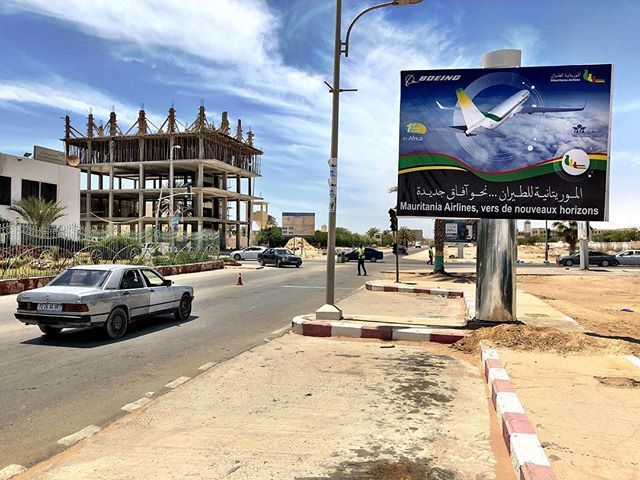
(279, 257)
(595, 258)
(249, 253)
(370, 254)
(629, 257)
(107, 296)
(418, 244)
(402, 250)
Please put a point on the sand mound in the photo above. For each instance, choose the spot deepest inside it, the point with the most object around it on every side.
(542, 339)
(300, 246)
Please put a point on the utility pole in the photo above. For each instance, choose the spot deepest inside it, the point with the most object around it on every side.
(546, 242)
(583, 236)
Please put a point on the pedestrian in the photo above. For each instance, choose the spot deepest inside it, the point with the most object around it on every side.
(430, 262)
(361, 256)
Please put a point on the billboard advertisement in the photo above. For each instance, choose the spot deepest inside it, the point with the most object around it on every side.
(298, 224)
(530, 142)
(460, 231)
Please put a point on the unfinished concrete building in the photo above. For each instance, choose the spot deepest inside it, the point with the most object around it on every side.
(128, 175)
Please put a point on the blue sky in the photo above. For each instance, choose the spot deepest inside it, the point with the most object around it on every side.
(265, 61)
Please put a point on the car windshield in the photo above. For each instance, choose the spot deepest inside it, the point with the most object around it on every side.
(81, 278)
(283, 251)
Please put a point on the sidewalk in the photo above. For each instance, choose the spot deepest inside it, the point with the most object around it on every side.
(302, 407)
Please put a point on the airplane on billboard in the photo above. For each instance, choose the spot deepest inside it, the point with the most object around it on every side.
(479, 122)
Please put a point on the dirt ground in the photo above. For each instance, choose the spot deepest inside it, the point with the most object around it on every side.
(593, 301)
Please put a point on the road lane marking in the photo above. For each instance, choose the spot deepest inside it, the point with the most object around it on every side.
(79, 435)
(177, 382)
(130, 407)
(206, 366)
(11, 471)
(306, 286)
(280, 330)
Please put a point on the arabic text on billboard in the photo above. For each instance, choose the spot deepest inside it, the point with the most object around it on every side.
(505, 143)
(298, 224)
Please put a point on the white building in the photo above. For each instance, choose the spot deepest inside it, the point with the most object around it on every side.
(46, 176)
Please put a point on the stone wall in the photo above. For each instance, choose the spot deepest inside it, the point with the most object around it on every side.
(17, 285)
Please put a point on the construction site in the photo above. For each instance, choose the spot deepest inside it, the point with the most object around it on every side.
(174, 178)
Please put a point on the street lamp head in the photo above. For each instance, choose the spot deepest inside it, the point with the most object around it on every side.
(406, 2)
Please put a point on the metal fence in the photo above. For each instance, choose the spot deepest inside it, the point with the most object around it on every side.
(27, 251)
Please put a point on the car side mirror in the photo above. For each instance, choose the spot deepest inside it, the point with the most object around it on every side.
(167, 282)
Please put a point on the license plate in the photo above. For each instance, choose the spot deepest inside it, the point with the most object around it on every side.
(49, 307)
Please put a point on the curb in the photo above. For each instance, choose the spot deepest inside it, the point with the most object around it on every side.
(376, 287)
(528, 459)
(469, 303)
(317, 328)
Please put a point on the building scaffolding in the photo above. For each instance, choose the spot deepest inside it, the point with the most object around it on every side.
(214, 171)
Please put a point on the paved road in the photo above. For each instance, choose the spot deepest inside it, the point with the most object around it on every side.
(52, 388)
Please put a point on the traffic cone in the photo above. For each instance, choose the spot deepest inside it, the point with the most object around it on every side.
(239, 279)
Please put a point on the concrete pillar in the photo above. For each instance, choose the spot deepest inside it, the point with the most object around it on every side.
(87, 200)
(141, 202)
(497, 245)
(223, 213)
(238, 226)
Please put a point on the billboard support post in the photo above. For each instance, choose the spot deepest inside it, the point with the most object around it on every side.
(583, 236)
(497, 247)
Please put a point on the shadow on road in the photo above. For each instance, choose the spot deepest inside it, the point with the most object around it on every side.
(614, 337)
(95, 337)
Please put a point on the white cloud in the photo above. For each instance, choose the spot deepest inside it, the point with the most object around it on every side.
(62, 94)
(224, 31)
(631, 106)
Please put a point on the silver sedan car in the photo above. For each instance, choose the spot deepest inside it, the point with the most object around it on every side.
(629, 257)
(107, 296)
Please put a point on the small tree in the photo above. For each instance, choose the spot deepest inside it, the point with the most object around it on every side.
(568, 231)
(405, 236)
(271, 221)
(271, 236)
(438, 240)
(38, 212)
(372, 232)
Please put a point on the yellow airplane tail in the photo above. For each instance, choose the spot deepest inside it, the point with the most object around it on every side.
(470, 112)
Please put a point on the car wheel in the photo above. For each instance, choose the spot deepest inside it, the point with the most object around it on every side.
(116, 324)
(373, 259)
(50, 331)
(604, 263)
(183, 312)
(261, 262)
(237, 257)
(568, 263)
(297, 265)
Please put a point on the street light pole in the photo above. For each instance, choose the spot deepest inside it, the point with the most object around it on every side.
(171, 181)
(329, 311)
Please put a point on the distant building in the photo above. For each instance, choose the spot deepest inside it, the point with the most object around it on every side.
(324, 229)
(46, 176)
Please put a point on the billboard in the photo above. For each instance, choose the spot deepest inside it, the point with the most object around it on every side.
(529, 142)
(460, 231)
(298, 224)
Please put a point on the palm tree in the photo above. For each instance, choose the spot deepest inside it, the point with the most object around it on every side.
(568, 231)
(438, 240)
(372, 232)
(405, 236)
(38, 212)
(271, 221)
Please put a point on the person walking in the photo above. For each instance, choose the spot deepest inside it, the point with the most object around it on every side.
(361, 258)
(430, 262)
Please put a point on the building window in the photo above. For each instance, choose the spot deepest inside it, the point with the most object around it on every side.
(30, 189)
(5, 190)
(46, 191)
(49, 192)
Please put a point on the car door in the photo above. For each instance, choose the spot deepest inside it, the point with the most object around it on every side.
(135, 293)
(251, 253)
(161, 295)
(268, 256)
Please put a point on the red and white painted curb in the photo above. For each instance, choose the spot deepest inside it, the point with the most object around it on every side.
(380, 287)
(528, 458)
(322, 328)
